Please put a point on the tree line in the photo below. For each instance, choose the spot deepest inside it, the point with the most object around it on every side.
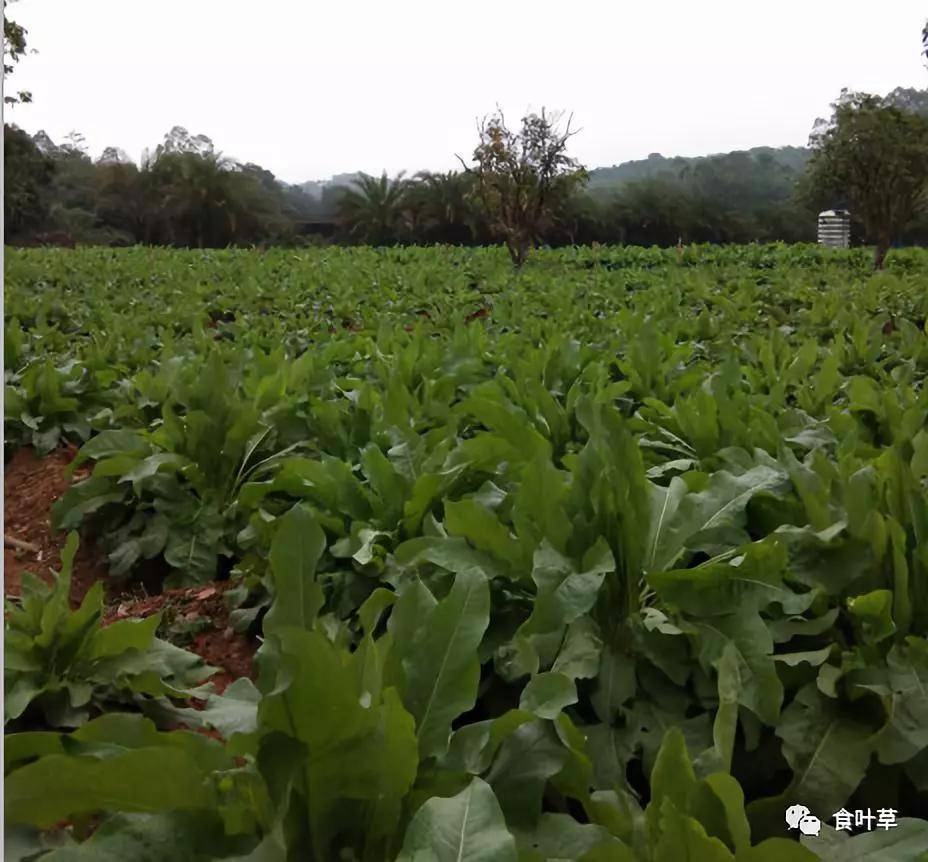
(185, 193)
(520, 187)
(196, 197)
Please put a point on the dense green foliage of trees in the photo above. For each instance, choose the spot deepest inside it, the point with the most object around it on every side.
(872, 156)
(187, 194)
(183, 194)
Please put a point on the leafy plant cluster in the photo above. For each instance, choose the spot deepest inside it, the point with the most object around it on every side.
(619, 569)
(360, 722)
(63, 667)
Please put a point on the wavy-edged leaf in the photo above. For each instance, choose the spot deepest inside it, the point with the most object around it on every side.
(438, 656)
(295, 552)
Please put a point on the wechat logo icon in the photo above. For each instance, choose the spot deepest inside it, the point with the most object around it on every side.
(794, 814)
(810, 825)
(799, 817)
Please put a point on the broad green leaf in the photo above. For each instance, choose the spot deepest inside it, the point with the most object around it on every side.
(813, 658)
(864, 395)
(725, 724)
(905, 733)
(559, 837)
(810, 487)
(144, 779)
(614, 685)
(539, 512)
(776, 850)
(920, 455)
(563, 593)
(440, 668)
(683, 839)
(468, 827)
(451, 553)
(295, 553)
(717, 802)
(547, 694)
(829, 559)
(760, 689)
(828, 750)
(785, 630)
(358, 748)
(491, 408)
(123, 635)
(678, 517)
(581, 650)
(752, 580)
(386, 482)
(620, 813)
(233, 711)
(470, 520)
(907, 842)
(528, 757)
(18, 696)
(474, 746)
(179, 836)
(563, 596)
(84, 499)
(109, 443)
(150, 466)
(361, 545)
(672, 782)
(373, 609)
(413, 608)
(646, 723)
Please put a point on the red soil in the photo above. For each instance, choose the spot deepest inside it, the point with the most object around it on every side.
(218, 645)
(31, 486)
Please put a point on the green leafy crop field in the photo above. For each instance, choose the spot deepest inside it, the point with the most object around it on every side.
(618, 557)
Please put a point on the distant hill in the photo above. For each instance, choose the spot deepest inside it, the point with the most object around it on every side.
(793, 159)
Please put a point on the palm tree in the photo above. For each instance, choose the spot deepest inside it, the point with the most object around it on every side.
(206, 200)
(375, 209)
(443, 207)
(124, 199)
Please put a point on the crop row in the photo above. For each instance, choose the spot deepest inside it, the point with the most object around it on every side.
(614, 558)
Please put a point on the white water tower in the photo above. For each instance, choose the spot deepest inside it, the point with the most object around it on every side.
(834, 228)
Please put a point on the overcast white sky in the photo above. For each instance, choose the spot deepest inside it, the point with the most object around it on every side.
(308, 89)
